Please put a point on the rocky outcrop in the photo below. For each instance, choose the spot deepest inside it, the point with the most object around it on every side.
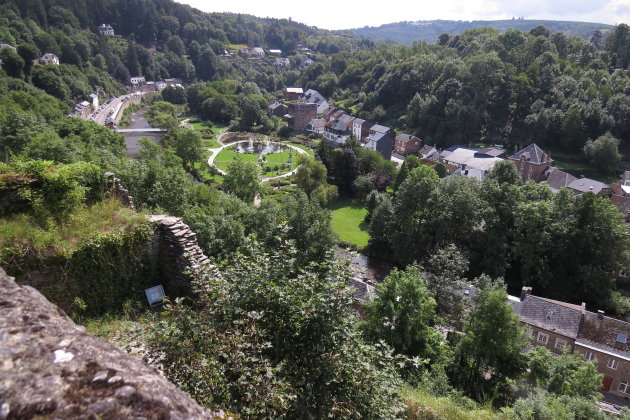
(51, 368)
(177, 252)
(118, 191)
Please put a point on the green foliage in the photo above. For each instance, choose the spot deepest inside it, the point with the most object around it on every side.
(492, 344)
(402, 315)
(242, 179)
(603, 152)
(260, 339)
(567, 374)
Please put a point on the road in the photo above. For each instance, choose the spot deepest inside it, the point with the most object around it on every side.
(111, 109)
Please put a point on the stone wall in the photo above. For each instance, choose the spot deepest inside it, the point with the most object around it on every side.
(176, 250)
(51, 368)
(118, 191)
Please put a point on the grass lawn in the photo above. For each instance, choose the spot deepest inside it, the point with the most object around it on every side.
(347, 221)
(226, 156)
(200, 126)
(307, 149)
(210, 143)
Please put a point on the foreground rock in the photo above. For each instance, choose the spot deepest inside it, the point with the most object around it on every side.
(51, 368)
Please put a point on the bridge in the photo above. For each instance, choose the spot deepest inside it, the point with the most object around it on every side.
(140, 130)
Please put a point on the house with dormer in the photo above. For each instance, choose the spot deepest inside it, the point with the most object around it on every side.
(312, 96)
(339, 130)
(532, 162)
(106, 29)
(561, 326)
(49, 58)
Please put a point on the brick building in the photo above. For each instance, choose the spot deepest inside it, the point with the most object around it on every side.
(300, 114)
(532, 162)
(406, 143)
(559, 325)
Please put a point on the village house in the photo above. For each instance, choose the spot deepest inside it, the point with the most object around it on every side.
(300, 115)
(406, 143)
(49, 58)
(581, 185)
(561, 326)
(106, 29)
(361, 129)
(275, 52)
(258, 52)
(9, 46)
(428, 152)
(557, 179)
(307, 62)
(137, 80)
(532, 162)
(282, 62)
(381, 142)
(332, 113)
(276, 108)
(339, 130)
(317, 126)
(468, 158)
(312, 96)
(293, 93)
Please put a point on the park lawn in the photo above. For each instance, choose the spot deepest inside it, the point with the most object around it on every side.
(210, 143)
(347, 221)
(226, 156)
(307, 149)
(200, 126)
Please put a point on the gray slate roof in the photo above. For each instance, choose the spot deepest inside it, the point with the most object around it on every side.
(532, 154)
(602, 333)
(380, 128)
(558, 317)
(405, 137)
(558, 179)
(587, 184)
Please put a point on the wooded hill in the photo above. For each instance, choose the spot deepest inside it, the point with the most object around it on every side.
(430, 30)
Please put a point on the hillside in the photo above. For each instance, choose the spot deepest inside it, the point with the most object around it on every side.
(429, 30)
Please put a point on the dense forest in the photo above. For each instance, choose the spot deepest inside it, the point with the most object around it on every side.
(430, 30)
(275, 334)
(483, 86)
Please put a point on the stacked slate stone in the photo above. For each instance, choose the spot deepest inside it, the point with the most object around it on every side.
(119, 191)
(179, 252)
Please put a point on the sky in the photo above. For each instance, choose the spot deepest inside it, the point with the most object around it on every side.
(339, 14)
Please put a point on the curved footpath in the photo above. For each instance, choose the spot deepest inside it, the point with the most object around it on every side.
(217, 150)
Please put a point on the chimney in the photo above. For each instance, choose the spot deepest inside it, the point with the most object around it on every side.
(525, 291)
(600, 315)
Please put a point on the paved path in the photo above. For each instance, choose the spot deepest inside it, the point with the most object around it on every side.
(217, 150)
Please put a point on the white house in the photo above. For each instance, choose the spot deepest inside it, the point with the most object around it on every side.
(49, 58)
(106, 29)
(258, 52)
(136, 80)
(9, 46)
(282, 62)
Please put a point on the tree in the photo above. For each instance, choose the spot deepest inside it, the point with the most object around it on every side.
(347, 172)
(491, 345)
(174, 94)
(402, 315)
(567, 374)
(505, 172)
(311, 178)
(603, 152)
(12, 63)
(187, 145)
(242, 179)
(269, 338)
(408, 164)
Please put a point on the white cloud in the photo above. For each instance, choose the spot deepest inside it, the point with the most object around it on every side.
(349, 14)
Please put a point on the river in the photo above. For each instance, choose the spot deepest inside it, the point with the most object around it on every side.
(372, 270)
(139, 122)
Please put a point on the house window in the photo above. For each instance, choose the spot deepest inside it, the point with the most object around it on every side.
(613, 364)
(560, 343)
(589, 355)
(622, 338)
(542, 338)
(624, 387)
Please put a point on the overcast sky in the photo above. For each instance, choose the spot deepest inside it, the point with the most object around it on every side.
(340, 14)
